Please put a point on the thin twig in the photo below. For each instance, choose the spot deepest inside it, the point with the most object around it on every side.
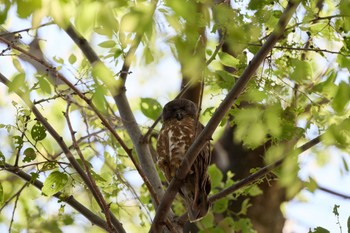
(304, 49)
(87, 170)
(333, 192)
(13, 196)
(24, 30)
(14, 210)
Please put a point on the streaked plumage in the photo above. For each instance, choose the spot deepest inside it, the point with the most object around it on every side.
(176, 136)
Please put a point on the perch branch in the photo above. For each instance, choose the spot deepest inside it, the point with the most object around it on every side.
(225, 105)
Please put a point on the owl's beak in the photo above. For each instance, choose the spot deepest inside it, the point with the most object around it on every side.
(179, 116)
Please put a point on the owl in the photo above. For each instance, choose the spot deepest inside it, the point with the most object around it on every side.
(180, 128)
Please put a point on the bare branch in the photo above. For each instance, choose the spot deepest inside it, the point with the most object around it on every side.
(327, 190)
(226, 104)
(5, 33)
(305, 49)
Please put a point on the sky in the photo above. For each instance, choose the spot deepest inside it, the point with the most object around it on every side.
(306, 210)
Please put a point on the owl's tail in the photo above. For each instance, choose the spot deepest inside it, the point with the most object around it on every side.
(195, 193)
(199, 208)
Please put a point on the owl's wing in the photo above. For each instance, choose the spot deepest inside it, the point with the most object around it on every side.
(201, 184)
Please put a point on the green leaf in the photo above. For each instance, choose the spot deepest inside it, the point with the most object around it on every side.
(254, 190)
(2, 159)
(98, 98)
(301, 70)
(18, 141)
(338, 135)
(311, 185)
(250, 127)
(345, 164)
(225, 79)
(72, 59)
(343, 61)
(228, 60)
(342, 97)
(44, 84)
(227, 225)
(59, 60)
(25, 8)
(85, 16)
(257, 4)
(221, 205)
(215, 176)
(335, 210)
(151, 108)
(54, 183)
(49, 166)
(34, 176)
(30, 154)
(320, 230)
(1, 194)
(38, 132)
(3, 13)
(348, 224)
(245, 206)
(103, 73)
(17, 65)
(17, 82)
(107, 44)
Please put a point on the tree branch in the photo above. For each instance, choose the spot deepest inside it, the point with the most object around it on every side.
(225, 105)
(93, 218)
(256, 176)
(151, 177)
(261, 172)
(99, 195)
(333, 192)
(305, 49)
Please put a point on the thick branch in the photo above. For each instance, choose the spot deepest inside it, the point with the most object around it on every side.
(226, 104)
(93, 218)
(129, 121)
(261, 172)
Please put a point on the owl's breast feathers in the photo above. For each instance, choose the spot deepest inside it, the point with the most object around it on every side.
(174, 140)
(175, 137)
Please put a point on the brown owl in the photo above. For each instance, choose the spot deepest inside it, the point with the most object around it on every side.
(177, 134)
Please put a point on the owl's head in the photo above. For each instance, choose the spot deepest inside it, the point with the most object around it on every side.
(178, 109)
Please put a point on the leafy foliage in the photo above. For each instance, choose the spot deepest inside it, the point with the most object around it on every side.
(301, 89)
